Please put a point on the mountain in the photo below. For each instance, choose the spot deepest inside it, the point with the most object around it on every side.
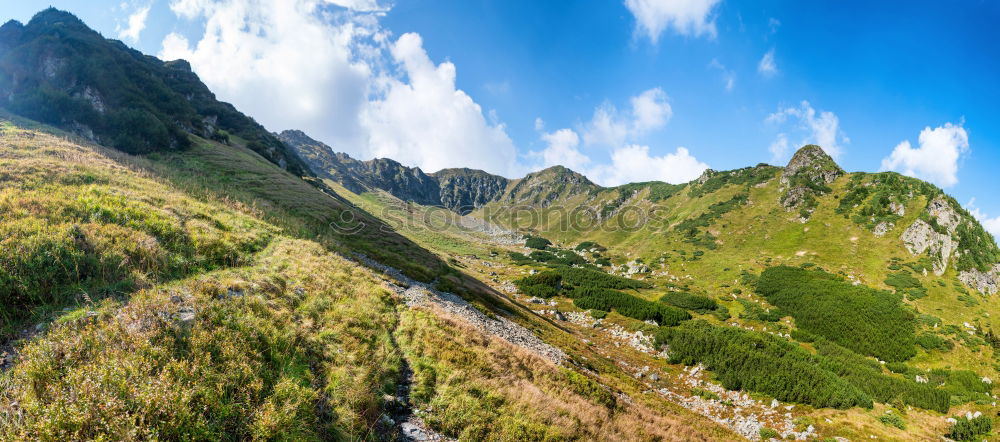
(57, 70)
(164, 276)
(461, 190)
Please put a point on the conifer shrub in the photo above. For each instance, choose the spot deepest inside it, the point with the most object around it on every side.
(868, 321)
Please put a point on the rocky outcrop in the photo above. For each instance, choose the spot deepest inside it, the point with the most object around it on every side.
(944, 214)
(808, 173)
(986, 282)
(920, 237)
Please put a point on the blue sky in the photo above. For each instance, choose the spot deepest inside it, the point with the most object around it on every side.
(622, 90)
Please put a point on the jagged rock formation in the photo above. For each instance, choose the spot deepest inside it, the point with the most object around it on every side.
(985, 282)
(807, 175)
(920, 237)
(461, 190)
(58, 71)
(464, 190)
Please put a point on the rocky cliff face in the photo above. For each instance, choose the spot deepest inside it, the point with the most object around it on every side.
(464, 190)
(460, 190)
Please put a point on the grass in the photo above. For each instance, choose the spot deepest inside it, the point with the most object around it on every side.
(267, 344)
(250, 324)
(76, 225)
(478, 388)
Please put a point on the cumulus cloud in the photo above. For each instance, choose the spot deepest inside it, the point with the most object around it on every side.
(935, 159)
(822, 128)
(649, 111)
(427, 121)
(135, 25)
(766, 66)
(628, 162)
(633, 163)
(328, 68)
(685, 17)
(562, 150)
(991, 225)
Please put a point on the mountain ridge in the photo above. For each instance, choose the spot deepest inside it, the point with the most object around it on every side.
(56, 70)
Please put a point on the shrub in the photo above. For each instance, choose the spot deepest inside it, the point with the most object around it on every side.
(768, 433)
(753, 361)
(628, 305)
(537, 242)
(857, 317)
(599, 279)
(965, 429)
(598, 314)
(588, 245)
(759, 362)
(931, 341)
(688, 301)
(546, 278)
(892, 420)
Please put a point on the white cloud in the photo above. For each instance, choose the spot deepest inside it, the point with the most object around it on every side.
(337, 75)
(650, 110)
(562, 150)
(633, 163)
(539, 123)
(430, 123)
(610, 127)
(822, 128)
(991, 225)
(728, 76)
(936, 158)
(686, 17)
(766, 66)
(628, 162)
(136, 24)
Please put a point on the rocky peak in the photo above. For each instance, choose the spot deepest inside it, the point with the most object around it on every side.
(806, 176)
(812, 163)
(544, 187)
(705, 176)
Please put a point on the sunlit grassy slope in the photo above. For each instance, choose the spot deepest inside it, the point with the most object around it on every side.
(203, 295)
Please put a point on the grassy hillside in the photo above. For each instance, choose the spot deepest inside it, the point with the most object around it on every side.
(203, 295)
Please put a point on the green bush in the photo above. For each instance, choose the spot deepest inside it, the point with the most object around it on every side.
(760, 362)
(892, 420)
(965, 429)
(597, 279)
(768, 433)
(628, 305)
(688, 301)
(931, 341)
(868, 321)
(537, 242)
(587, 245)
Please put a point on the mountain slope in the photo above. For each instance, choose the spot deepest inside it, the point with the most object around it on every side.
(240, 317)
(58, 71)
